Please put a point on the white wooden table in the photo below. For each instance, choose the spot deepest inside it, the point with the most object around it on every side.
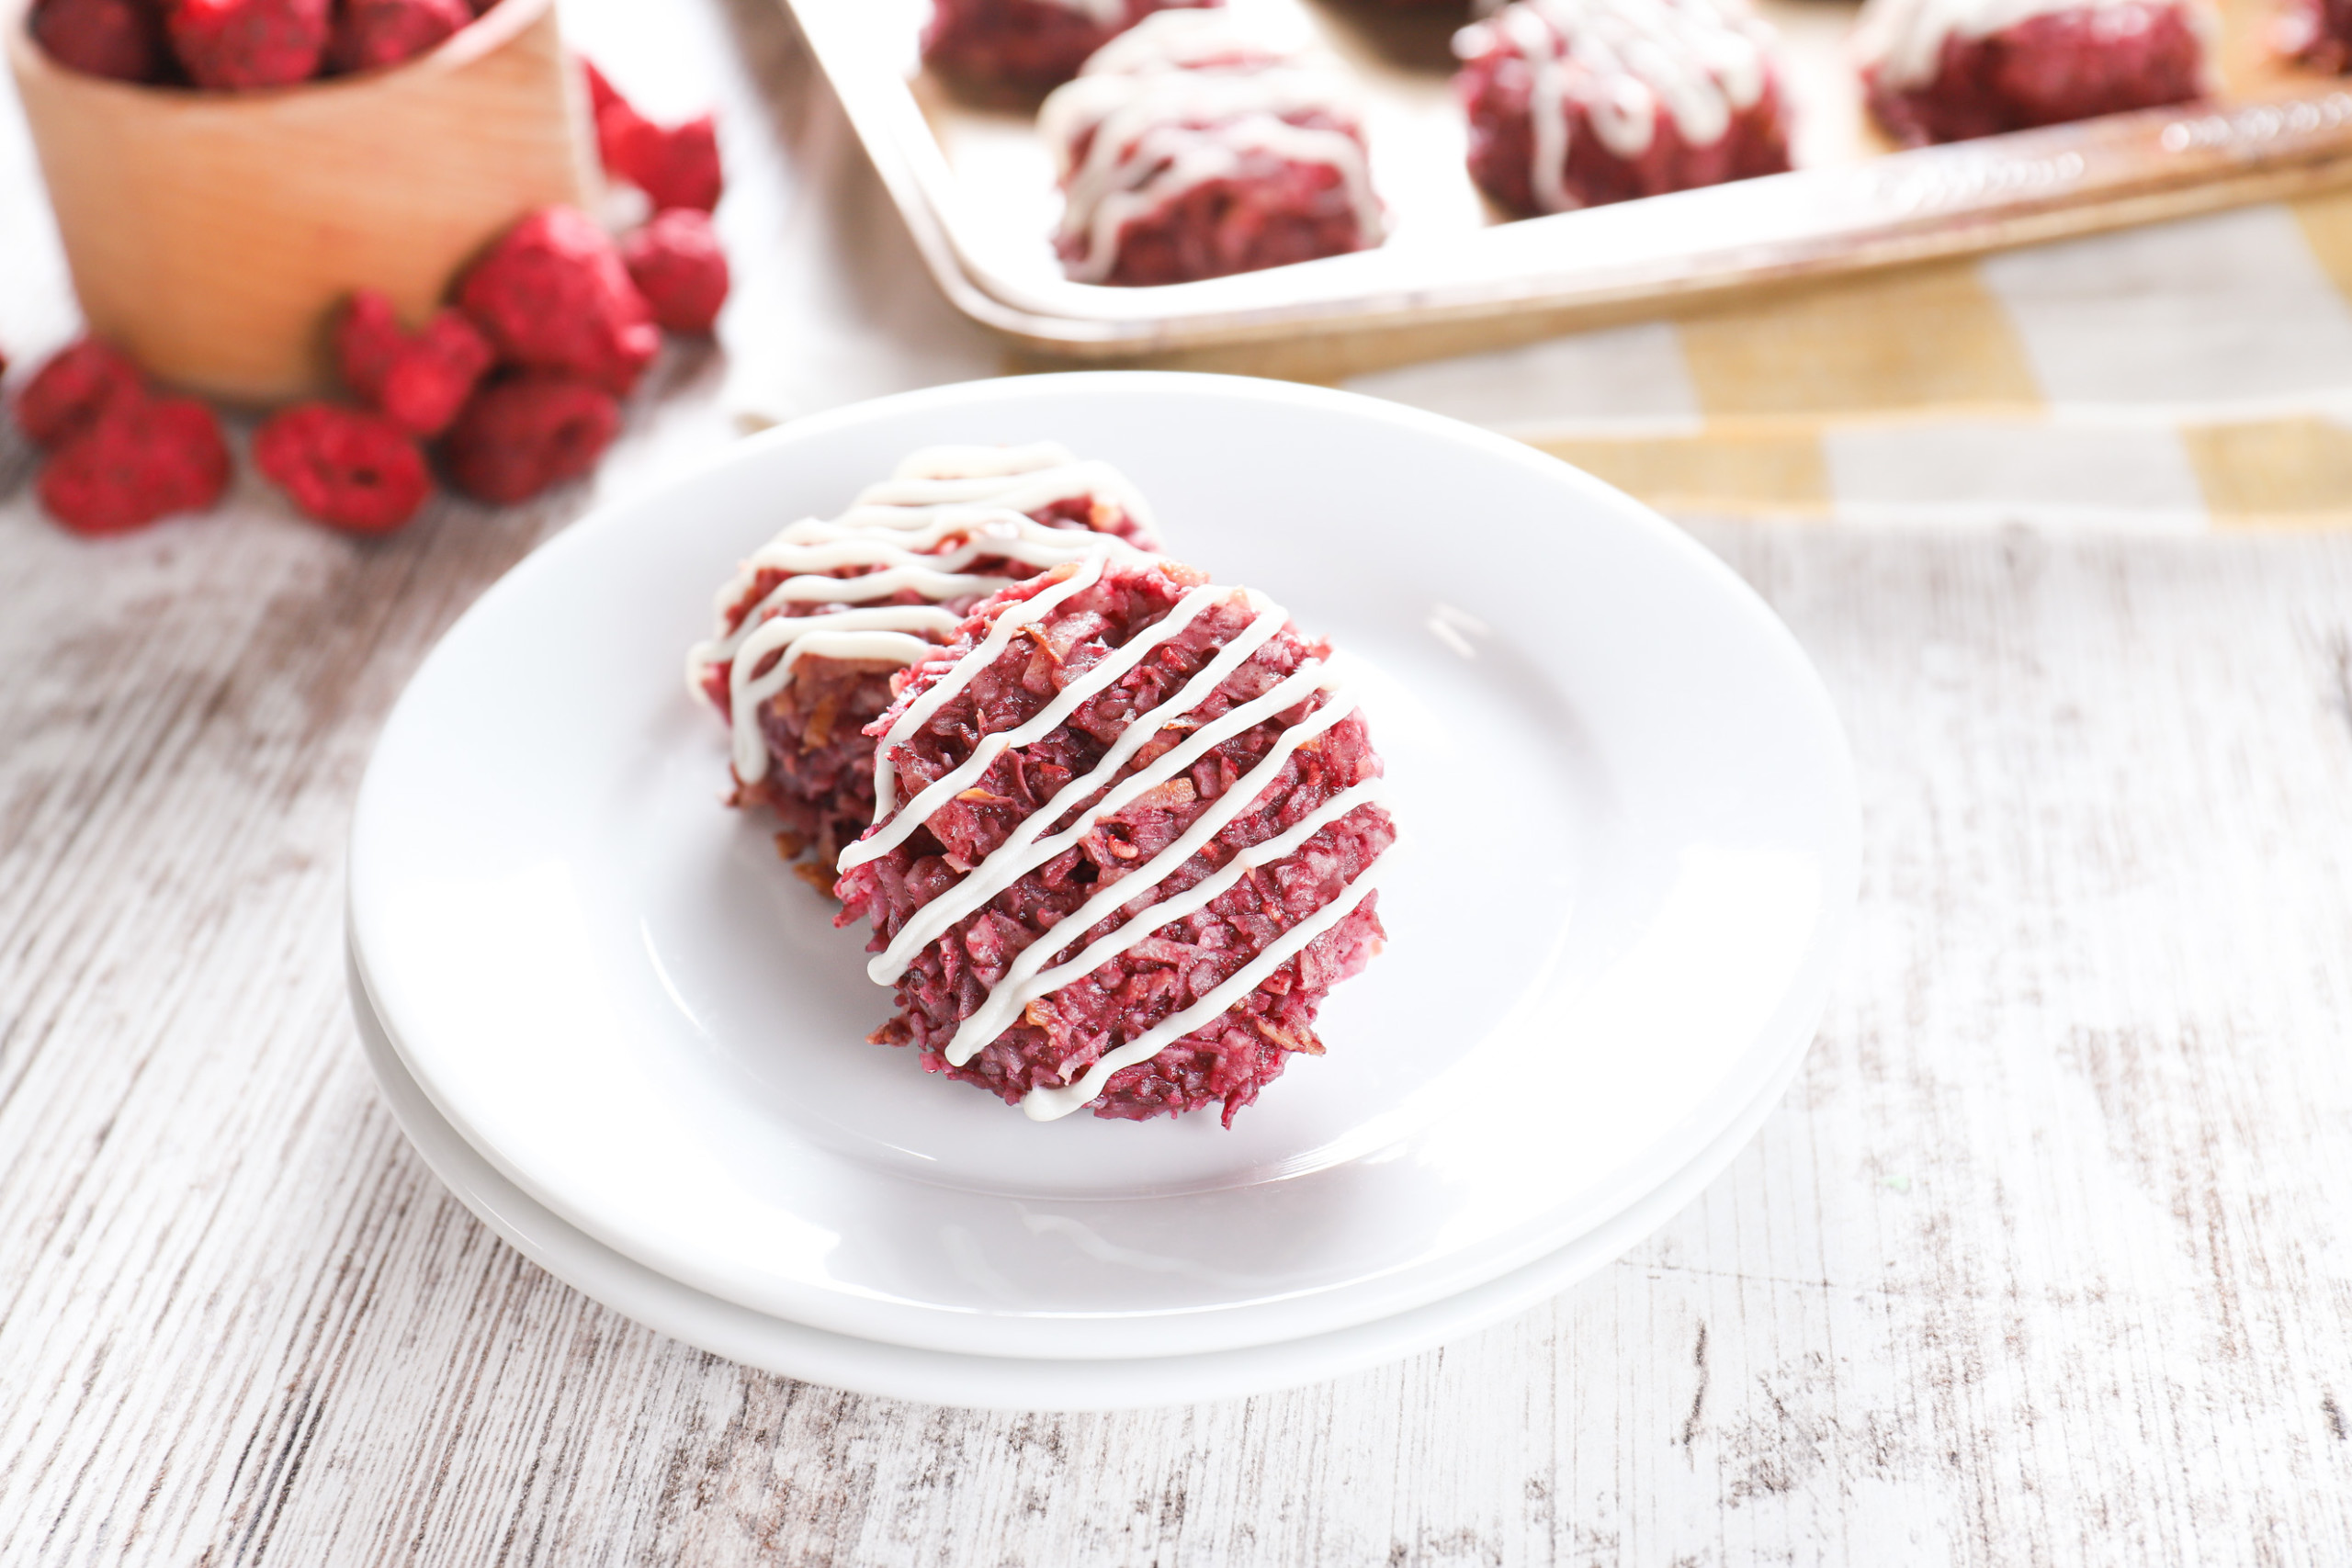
(2048, 1258)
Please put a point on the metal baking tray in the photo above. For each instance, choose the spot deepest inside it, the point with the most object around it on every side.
(975, 186)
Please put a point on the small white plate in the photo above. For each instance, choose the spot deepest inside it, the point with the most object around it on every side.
(941, 1377)
(1633, 840)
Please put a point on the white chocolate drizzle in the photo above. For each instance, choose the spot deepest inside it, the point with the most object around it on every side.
(1001, 633)
(946, 508)
(1102, 13)
(967, 774)
(1051, 1104)
(1903, 40)
(1023, 984)
(1023, 851)
(1622, 62)
(1183, 100)
(1028, 846)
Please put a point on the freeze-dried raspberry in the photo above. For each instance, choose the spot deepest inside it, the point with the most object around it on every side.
(434, 372)
(142, 459)
(677, 265)
(552, 295)
(74, 389)
(420, 380)
(121, 39)
(525, 433)
(366, 338)
(674, 165)
(371, 34)
(344, 467)
(601, 93)
(236, 44)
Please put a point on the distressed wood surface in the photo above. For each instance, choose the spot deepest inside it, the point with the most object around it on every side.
(2048, 1258)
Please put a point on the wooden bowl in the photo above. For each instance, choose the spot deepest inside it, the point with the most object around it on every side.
(210, 234)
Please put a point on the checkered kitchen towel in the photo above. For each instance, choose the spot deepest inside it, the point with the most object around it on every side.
(2195, 375)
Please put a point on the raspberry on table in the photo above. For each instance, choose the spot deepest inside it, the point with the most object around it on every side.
(523, 433)
(420, 380)
(140, 460)
(76, 386)
(601, 93)
(553, 295)
(236, 44)
(367, 337)
(372, 34)
(347, 467)
(674, 165)
(120, 39)
(677, 264)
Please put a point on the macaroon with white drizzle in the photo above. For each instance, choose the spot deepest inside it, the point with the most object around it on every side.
(1193, 109)
(1028, 44)
(842, 603)
(1949, 70)
(1539, 72)
(1164, 774)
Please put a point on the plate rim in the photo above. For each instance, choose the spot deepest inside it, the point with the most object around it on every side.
(967, 1381)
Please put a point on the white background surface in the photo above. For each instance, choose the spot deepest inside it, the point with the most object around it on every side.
(2047, 1259)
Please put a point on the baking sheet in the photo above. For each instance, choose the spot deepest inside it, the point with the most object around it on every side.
(976, 186)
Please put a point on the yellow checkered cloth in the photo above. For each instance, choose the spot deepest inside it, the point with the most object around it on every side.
(2194, 375)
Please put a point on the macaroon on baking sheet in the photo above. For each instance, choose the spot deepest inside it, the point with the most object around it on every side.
(976, 186)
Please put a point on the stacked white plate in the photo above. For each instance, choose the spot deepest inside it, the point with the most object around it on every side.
(629, 1038)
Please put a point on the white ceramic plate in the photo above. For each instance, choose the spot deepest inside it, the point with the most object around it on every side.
(1633, 843)
(942, 1376)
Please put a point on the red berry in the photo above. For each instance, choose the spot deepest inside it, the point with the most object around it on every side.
(372, 34)
(675, 166)
(523, 433)
(552, 295)
(344, 467)
(141, 460)
(616, 118)
(435, 373)
(616, 122)
(237, 44)
(601, 92)
(367, 337)
(121, 39)
(677, 265)
(420, 381)
(74, 389)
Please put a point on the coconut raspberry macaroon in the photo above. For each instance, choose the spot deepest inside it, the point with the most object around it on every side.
(1129, 831)
(815, 625)
(2319, 33)
(1190, 148)
(1577, 103)
(1948, 70)
(1033, 44)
